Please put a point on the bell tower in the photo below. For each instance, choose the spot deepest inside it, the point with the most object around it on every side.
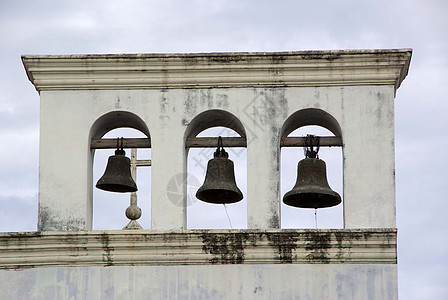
(264, 97)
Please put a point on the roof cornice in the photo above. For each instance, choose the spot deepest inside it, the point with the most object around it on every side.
(205, 70)
(192, 247)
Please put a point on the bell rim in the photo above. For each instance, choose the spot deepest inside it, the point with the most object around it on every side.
(117, 188)
(298, 199)
(200, 196)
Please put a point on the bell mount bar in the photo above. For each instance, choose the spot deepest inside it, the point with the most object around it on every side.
(211, 142)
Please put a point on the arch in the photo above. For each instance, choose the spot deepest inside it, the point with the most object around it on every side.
(100, 127)
(333, 217)
(214, 118)
(117, 119)
(196, 162)
(311, 116)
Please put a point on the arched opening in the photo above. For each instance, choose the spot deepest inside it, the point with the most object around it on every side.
(202, 215)
(319, 123)
(117, 119)
(109, 207)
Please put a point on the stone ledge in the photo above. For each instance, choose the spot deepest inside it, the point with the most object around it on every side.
(190, 247)
(205, 70)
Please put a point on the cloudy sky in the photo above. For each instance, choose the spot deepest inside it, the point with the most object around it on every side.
(78, 27)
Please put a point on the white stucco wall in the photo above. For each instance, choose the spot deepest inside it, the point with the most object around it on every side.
(304, 282)
(364, 113)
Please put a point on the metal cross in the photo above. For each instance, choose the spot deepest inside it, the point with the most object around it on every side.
(133, 209)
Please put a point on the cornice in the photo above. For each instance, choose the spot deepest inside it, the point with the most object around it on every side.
(206, 70)
(191, 247)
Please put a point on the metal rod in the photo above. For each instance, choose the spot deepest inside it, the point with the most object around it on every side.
(134, 164)
(143, 163)
(134, 174)
(133, 212)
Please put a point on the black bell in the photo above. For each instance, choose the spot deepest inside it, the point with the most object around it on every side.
(311, 189)
(219, 185)
(117, 177)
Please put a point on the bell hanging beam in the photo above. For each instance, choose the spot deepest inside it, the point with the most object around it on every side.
(210, 142)
(312, 189)
(219, 185)
(117, 176)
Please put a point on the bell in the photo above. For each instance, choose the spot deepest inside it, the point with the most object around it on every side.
(219, 185)
(311, 189)
(117, 177)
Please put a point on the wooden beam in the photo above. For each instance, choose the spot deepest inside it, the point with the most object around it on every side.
(127, 143)
(324, 141)
(212, 142)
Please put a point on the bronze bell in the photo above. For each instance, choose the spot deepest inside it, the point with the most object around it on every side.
(117, 177)
(219, 185)
(311, 189)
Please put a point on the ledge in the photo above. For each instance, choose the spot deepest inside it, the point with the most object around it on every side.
(205, 70)
(190, 247)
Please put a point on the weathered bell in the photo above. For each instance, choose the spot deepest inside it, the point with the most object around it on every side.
(219, 185)
(117, 177)
(311, 189)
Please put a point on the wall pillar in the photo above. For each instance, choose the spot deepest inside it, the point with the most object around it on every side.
(369, 158)
(169, 176)
(65, 173)
(268, 110)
